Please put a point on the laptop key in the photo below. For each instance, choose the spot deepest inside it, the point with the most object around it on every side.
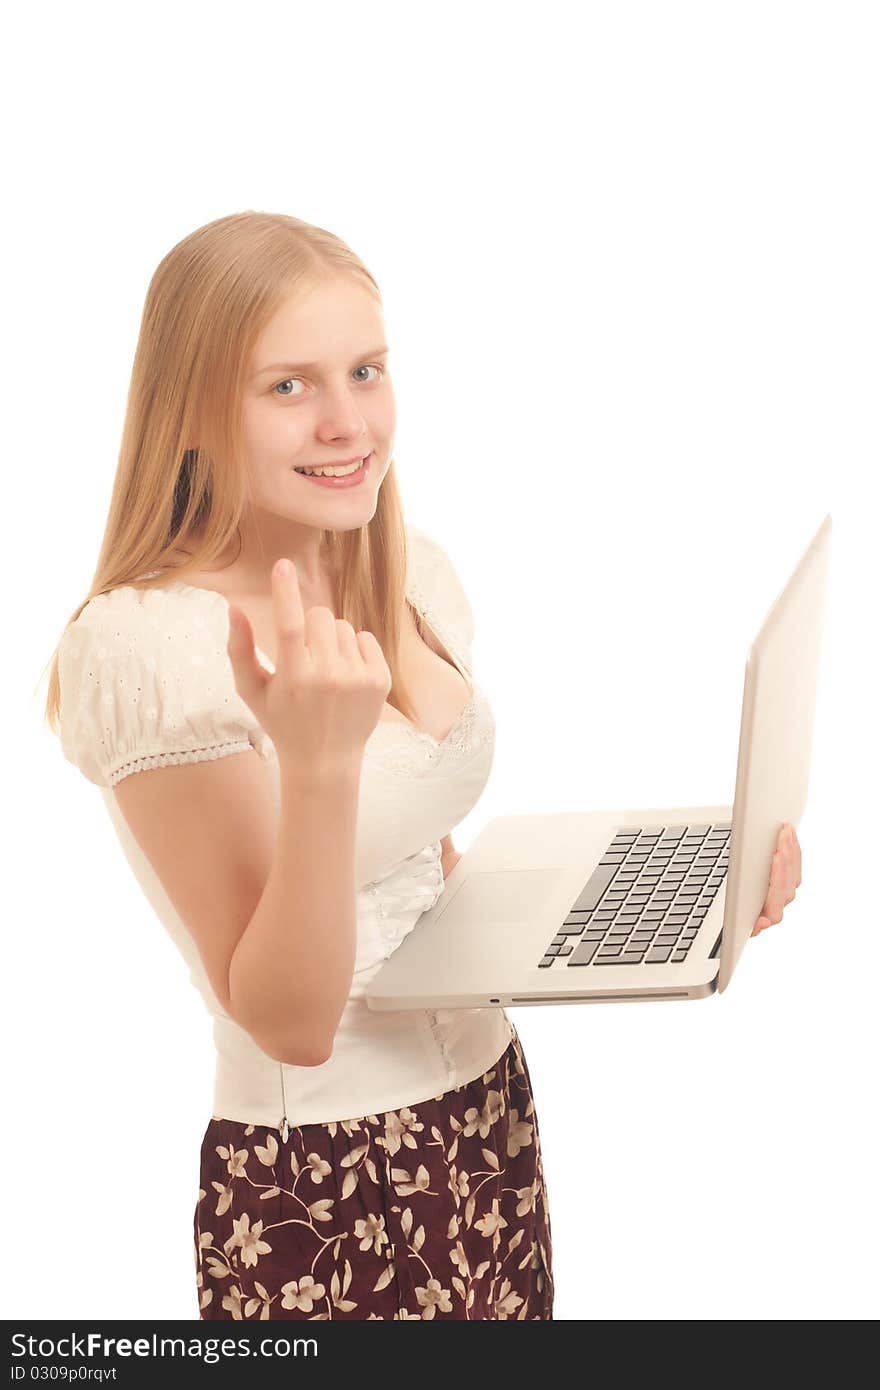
(594, 887)
(658, 955)
(583, 953)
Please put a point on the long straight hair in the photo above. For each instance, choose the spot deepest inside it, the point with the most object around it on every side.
(206, 305)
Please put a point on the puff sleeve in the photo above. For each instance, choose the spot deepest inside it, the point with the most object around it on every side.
(436, 586)
(145, 680)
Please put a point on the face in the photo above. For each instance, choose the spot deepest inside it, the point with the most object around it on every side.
(318, 391)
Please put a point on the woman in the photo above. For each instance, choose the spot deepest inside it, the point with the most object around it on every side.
(284, 749)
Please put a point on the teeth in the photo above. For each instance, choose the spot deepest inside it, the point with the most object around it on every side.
(341, 472)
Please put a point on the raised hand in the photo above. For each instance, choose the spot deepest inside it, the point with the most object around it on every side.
(330, 683)
(785, 877)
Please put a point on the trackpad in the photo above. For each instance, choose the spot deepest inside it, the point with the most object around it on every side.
(491, 896)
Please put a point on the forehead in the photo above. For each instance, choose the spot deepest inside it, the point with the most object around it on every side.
(330, 323)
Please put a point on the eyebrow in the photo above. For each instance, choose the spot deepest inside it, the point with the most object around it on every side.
(308, 366)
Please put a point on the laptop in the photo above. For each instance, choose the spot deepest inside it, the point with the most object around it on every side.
(657, 903)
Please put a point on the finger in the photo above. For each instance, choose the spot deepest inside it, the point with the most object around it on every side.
(785, 875)
(794, 858)
(287, 611)
(347, 641)
(371, 651)
(791, 869)
(797, 858)
(249, 672)
(778, 898)
(783, 848)
(322, 636)
(775, 899)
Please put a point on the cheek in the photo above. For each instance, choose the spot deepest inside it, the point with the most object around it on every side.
(384, 427)
(271, 449)
(383, 418)
(270, 434)
(266, 482)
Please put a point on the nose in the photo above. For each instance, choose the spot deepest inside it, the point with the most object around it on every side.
(341, 417)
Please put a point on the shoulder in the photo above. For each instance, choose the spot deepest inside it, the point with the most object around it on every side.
(436, 583)
(155, 630)
(145, 677)
(115, 617)
(427, 555)
(424, 548)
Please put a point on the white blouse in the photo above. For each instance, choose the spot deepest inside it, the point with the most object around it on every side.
(146, 680)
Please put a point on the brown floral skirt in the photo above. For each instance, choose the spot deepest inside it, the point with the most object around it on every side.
(436, 1210)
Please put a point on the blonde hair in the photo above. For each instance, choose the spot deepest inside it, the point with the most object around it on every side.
(206, 305)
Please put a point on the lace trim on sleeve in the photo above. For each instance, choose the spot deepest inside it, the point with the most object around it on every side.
(185, 755)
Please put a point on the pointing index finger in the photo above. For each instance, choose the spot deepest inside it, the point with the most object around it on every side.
(287, 601)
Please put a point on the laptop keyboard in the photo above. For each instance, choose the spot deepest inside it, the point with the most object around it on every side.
(646, 899)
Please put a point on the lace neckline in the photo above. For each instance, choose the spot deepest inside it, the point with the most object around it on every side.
(423, 606)
(439, 631)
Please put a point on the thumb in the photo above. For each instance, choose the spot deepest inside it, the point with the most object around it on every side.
(250, 674)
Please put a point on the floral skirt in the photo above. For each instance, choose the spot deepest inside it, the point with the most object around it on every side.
(435, 1210)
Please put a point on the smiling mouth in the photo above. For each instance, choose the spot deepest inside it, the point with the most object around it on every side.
(337, 470)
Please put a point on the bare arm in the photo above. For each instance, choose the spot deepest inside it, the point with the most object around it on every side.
(290, 974)
(268, 899)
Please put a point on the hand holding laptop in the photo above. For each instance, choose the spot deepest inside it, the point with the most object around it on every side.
(448, 860)
(785, 877)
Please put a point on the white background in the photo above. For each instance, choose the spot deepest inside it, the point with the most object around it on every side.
(629, 261)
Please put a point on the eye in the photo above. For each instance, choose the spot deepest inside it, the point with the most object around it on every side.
(373, 366)
(284, 383)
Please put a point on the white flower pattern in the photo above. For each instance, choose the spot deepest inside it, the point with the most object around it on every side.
(437, 1210)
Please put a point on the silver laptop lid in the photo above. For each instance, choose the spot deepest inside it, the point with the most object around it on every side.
(775, 738)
